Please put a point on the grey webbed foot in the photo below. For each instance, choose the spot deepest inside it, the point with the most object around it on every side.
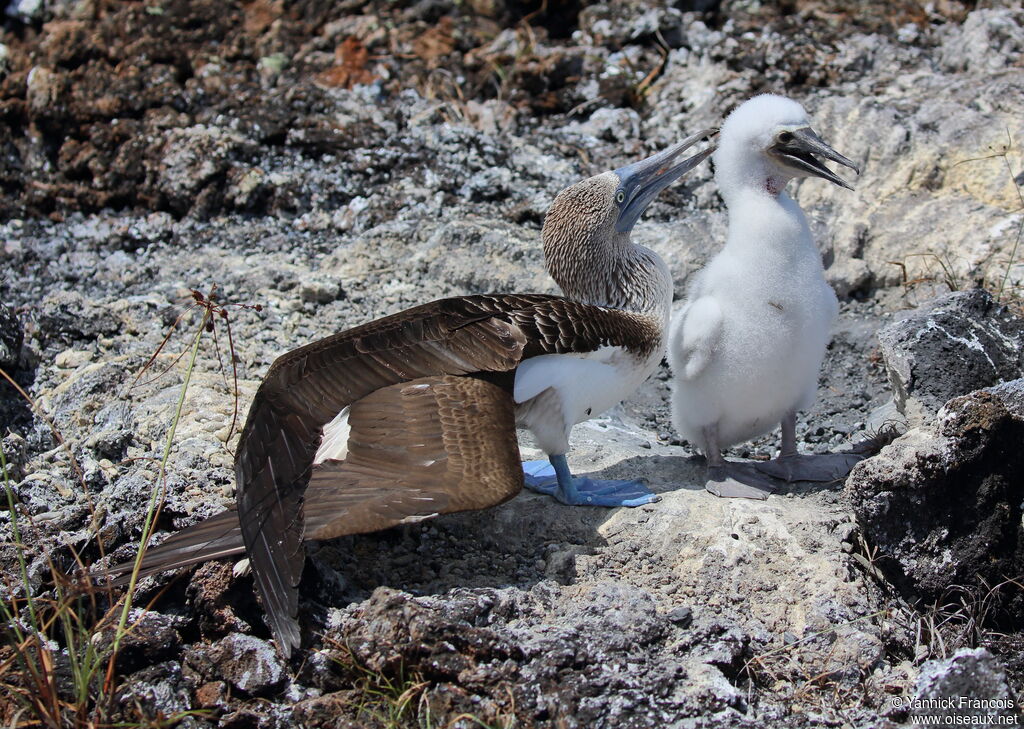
(739, 481)
(821, 468)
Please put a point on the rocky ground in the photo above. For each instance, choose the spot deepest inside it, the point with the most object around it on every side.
(332, 162)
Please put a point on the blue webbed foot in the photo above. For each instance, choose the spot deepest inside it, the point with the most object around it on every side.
(594, 492)
(554, 479)
(539, 475)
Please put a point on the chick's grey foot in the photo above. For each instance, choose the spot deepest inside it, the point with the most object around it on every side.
(739, 481)
(821, 468)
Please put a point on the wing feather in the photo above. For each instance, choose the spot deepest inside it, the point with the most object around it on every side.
(213, 538)
(698, 329)
(307, 388)
(433, 445)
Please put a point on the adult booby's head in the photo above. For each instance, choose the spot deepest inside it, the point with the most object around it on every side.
(639, 183)
(610, 203)
(766, 142)
(586, 230)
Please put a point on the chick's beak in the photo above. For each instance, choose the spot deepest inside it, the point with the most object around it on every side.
(798, 151)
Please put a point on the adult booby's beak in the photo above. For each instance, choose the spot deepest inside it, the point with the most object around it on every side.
(640, 182)
(796, 148)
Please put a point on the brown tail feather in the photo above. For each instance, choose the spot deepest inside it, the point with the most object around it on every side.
(217, 537)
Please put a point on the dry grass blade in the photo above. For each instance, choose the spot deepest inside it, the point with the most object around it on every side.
(155, 503)
(234, 371)
(965, 617)
(749, 667)
(400, 700)
(642, 89)
(213, 310)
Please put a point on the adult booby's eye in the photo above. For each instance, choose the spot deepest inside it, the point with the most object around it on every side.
(785, 137)
(620, 196)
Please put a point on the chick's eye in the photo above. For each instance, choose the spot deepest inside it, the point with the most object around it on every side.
(785, 137)
(620, 196)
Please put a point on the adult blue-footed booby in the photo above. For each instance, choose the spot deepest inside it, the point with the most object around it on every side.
(414, 415)
(747, 346)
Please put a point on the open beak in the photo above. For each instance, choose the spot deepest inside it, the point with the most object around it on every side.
(798, 151)
(640, 182)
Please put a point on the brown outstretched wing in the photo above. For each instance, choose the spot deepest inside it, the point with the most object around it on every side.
(548, 324)
(307, 387)
(554, 325)
(430, 446)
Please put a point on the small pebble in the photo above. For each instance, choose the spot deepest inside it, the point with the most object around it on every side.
(681, 616)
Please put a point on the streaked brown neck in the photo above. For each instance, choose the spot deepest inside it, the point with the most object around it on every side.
(607, 269)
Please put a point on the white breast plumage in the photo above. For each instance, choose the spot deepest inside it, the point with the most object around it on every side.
(585, 384)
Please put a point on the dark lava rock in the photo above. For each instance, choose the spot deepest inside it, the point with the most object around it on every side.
(681, 616)
(151, 638)
(15, 413)
(394, 633)
(971, 683)
(114, 431)
(330, 711)
(614, 618)
(68, 316)
(949, 347)
(14, 448)
(211, 593)
(159, 690)
(251, 665)
(393, 637)
(212, 695)
(11, 337)
(943, 503)
(598, 660)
